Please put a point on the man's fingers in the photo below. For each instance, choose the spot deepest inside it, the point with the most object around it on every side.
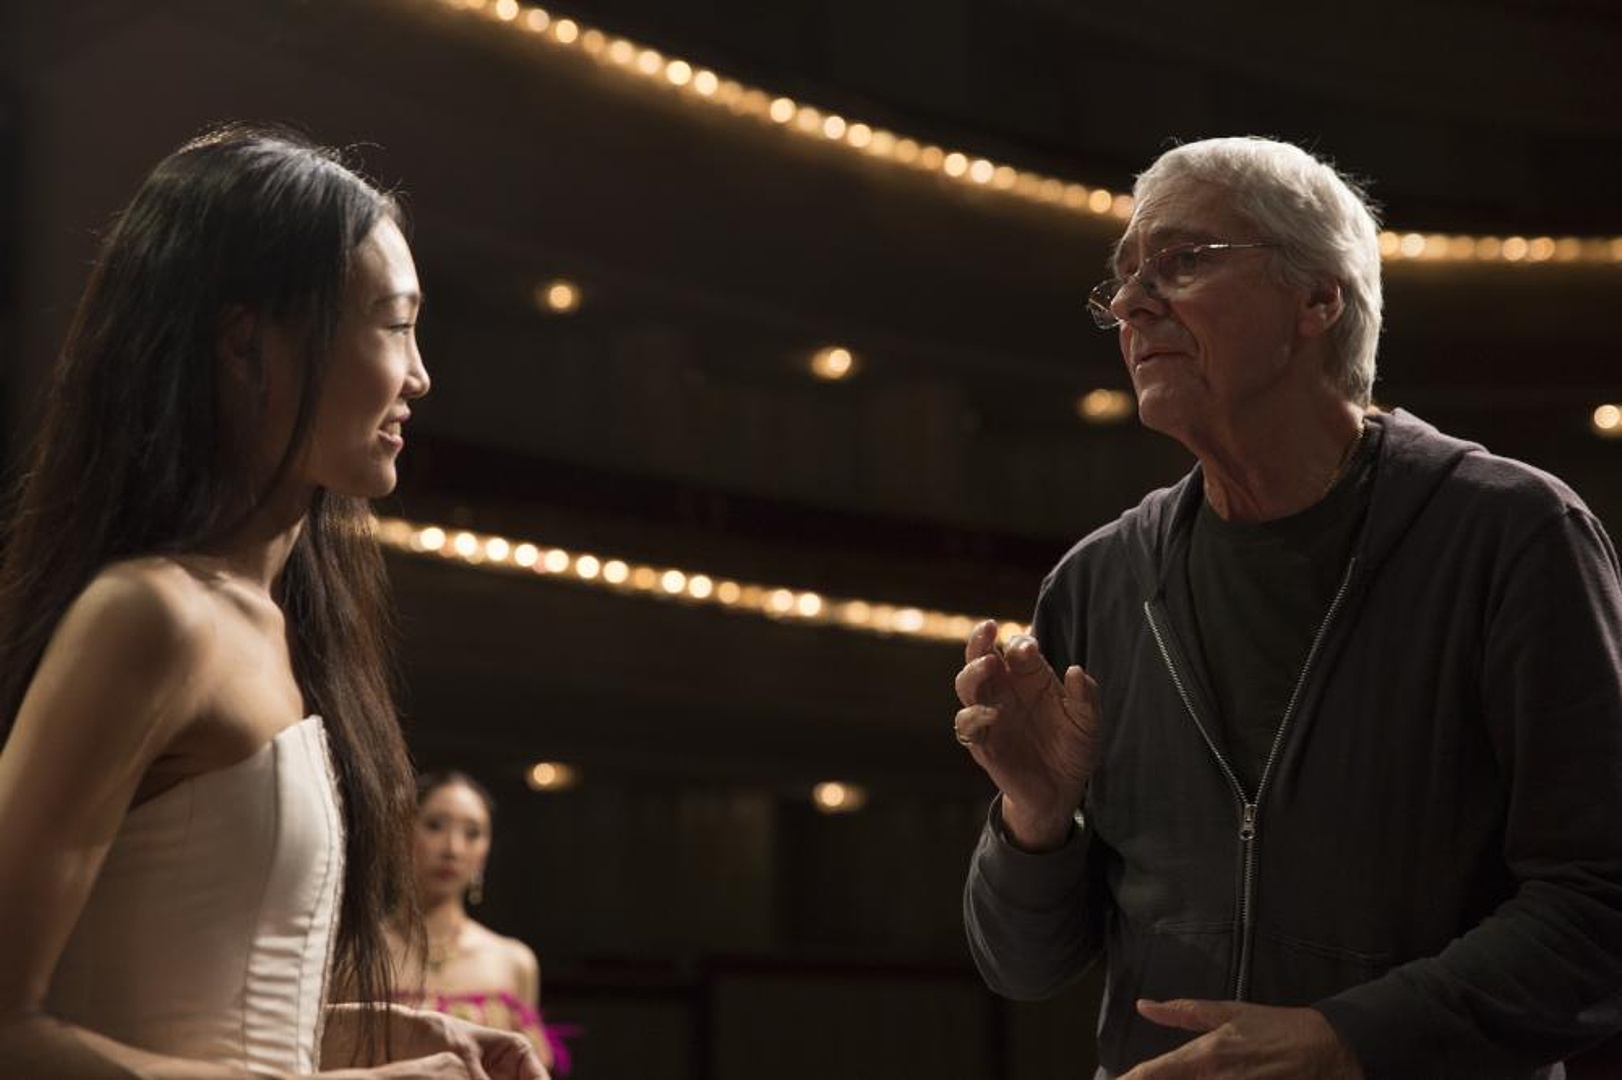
(981, 640)
(972, 724)
(1189, 1015)
(974, 681)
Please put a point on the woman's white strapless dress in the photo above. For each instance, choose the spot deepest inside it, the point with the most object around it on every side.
(210, 931)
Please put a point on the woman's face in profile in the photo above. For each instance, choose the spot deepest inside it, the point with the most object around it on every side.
(452, 841)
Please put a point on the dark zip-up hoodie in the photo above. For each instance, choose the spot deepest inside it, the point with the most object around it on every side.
(1433, 856)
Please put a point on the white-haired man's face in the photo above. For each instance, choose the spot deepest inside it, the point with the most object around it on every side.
(1211, 349)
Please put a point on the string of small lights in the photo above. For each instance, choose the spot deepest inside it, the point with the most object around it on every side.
(501, 554)
(708, 88)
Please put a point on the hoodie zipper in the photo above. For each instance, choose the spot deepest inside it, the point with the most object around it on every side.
(1250, 808)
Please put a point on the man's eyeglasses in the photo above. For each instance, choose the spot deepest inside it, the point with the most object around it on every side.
(1161, 275)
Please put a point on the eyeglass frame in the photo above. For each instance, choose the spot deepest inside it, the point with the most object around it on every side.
(1101, 296)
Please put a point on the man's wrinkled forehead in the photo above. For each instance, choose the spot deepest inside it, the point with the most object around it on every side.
(1171, 215)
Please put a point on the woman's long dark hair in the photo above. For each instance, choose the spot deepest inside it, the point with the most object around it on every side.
(138, 455)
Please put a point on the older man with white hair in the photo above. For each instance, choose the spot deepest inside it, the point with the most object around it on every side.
(1320, 749)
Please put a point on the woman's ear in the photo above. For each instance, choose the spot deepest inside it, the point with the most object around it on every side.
(1321, 308)
(237, 345)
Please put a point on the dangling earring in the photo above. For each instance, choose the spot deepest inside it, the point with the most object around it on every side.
(475, 889)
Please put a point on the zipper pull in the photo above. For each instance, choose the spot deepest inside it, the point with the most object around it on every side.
(1247, 824)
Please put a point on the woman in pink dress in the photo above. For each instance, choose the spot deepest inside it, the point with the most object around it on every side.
(461, 967)
(204, 795)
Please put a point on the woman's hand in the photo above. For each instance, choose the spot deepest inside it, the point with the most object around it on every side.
(488, 1052)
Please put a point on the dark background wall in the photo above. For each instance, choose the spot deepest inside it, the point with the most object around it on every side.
(692, 911)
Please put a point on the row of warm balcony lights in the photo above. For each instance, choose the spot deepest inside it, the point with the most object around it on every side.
(829, 796)
(501, 554)
(700, 84)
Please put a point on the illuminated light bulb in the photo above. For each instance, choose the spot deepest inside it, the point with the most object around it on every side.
(1390, 245)
(1100, 201)
(731, 94)
(556, 561)
(808, 604)
(833, 363)
(883, 144)
(1436, 247)
(1104, 406)
(833, 797)
(931, 158)
(644, 578)
(621, 52)
(649, 62)
(679, 72)
(566, 31)
(506, 10)
(782, 110)
(537, 20)
(1005, 178)
(1121, 206)
(705, 82)
(673, 581)
(857, 613)
(859, 135)
(615, 572)
(1515, 248)
(550, 776)
(981, 171)
(907, 151)
(909, 620)
(808, 119)
(587, 567)
(496, 549)
(1608, 421)
(1053, 190)
(593, 42)
(960, 626)
(1616, 249)
(1412, 246)
(833, 127)
(465, 545)
(432, 538)
(781, 601)
(752, 102)
(700, 587)
(1489, 247)
(1568, 249)
(559, 297)
(1029, 185)
(1540, 249)
(955, 164)
(881, 617)
(1009, 630)
(1461, 247)
(526, 555)
(728, 592)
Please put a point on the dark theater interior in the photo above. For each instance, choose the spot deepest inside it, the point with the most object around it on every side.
(762, 370)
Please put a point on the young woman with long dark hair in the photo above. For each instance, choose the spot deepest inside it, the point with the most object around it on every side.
(186, 866)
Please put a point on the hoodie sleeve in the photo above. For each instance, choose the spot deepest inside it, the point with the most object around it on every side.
(1540, 978)
(1030, 918)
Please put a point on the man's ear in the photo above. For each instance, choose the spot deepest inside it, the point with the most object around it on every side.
(1321, 308)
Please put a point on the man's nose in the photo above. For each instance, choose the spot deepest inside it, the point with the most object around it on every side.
(1136, 297)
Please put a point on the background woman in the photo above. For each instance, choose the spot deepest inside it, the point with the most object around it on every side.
(464, 968)
(204, 795)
